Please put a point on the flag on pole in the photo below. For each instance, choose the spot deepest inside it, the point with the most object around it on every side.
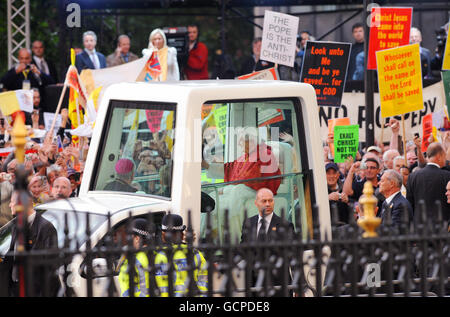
(77, 96)
(152, 68)
(132, 137)
(16, 100)
(74, 82)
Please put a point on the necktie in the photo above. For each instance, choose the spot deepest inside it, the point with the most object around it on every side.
(262, 231)
(94, 61)
(43, 67)
(384, 207)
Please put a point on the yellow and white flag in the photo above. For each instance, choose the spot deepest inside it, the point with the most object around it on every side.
(129, 72)
(16, 100)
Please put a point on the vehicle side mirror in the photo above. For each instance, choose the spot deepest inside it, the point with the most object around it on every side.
(207, 203)
(99, 268)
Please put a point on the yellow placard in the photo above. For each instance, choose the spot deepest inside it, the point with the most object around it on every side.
(9, 103)
(400, 80)
(446, 61)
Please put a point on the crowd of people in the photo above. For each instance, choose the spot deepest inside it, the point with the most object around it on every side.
(401, 177)
(399, 183)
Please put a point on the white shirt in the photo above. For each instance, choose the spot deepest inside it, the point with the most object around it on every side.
(94, 57)
(41, 64)
(267, 219)
(430, 163)
(390, 198)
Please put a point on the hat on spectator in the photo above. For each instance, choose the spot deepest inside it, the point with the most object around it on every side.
(124, 166)
(172, 222)
(374, 148)
(332, 165)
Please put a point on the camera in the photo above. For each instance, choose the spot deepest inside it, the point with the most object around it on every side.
(28, 66)
(363, 165)
(441, 38)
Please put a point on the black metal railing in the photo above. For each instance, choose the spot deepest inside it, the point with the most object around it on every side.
(412, 259)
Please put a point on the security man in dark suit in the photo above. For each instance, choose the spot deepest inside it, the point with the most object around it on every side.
(45, 65)
(429, 184)
(40, 235)
(390, 185)
(89, 58)
(263, 228)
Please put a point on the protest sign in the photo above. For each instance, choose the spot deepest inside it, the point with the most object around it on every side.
(331, 124)
(446, 57)
(400, 80)
(389, 28)
(353, 106)
(269, 116)
(220, 118)
(325, 67)
(346, 141)
(279, 38)
(446, 83)
(266, 74)
(427, 130)
(154, 119)
(48, 119)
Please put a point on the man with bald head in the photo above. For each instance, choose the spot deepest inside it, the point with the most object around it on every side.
(262, 228)
(62, 188)
(265, 225)
(429, 184)
(25, 74)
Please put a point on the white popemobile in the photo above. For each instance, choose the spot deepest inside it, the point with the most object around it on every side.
(160, 147)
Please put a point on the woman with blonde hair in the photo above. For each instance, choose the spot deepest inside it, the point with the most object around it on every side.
(167, 56)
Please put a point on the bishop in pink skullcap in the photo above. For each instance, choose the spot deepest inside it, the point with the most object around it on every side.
(124, 166)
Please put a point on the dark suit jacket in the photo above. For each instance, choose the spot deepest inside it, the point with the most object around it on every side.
(249, 65)
(42, 235)
(272, 232)
(397, 208)
(272, 235)
(13, 81)
(429, 184)
(51, 68)
(83, 61)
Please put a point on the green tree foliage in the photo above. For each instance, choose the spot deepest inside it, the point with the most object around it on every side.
(45, 26)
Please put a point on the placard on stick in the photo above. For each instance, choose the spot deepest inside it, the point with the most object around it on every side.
(279, 38)
(331, 124)
(346, 141)
(446, 83)
(446, 56)
(325, 67)
(400, 80)
(389, 28)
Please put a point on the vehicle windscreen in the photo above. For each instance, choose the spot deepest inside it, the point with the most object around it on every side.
(249, 145)
(136, 150)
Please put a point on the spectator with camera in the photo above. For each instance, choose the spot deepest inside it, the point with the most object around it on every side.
(336, 196)
(353, 187)
(25, 75)
(437, 60)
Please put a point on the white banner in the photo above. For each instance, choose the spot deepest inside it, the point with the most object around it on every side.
(353, 106)
(279, 38)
